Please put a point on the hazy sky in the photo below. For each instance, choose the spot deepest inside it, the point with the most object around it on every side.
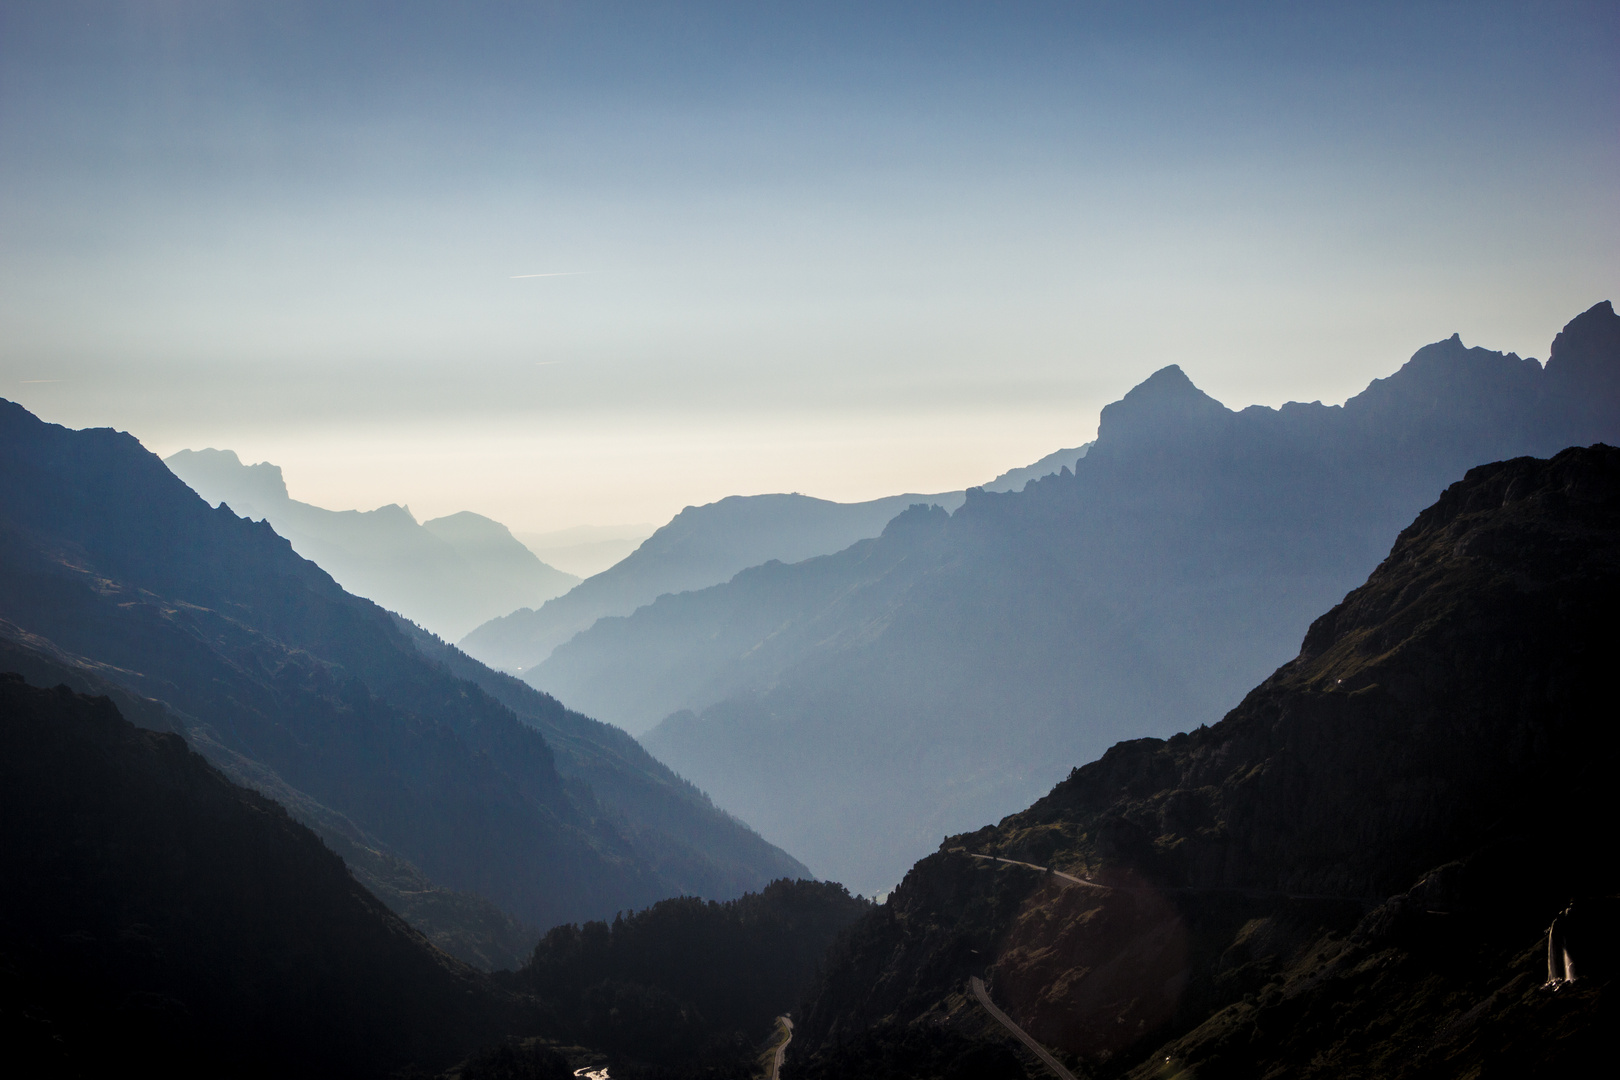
(588, 263)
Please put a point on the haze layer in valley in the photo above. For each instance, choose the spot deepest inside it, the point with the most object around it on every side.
(448, 574)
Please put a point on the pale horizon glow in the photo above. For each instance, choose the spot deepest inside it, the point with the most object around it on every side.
(856, 249)
(566, 273)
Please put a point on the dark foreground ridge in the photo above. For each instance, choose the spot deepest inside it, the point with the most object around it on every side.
(433, 776)
(687, 987)
(1352, 874)
(155, 912)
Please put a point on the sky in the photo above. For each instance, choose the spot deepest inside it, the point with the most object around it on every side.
(587, 263)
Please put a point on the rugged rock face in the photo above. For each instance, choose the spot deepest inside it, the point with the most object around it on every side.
(1353, 871)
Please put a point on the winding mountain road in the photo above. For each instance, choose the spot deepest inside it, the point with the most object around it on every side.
(1023, 1036)
(781, 1051)
(1069, 880)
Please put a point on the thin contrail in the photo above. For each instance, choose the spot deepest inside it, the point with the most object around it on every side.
(565, 273)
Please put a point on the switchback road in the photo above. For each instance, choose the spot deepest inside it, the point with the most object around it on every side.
(1023, 1036)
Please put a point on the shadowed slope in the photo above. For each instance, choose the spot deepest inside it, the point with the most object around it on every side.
(159, 917)
(106, 555)
(1352, 872)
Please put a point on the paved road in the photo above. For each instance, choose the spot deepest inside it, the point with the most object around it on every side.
(1023, 1036)
(776, 1062)
(1045, 870)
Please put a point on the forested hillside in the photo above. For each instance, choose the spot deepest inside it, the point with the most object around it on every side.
(688, 983)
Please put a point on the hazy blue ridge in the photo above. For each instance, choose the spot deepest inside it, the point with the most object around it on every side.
(449, 574)
(857, 707)
(701, 546)
(109, 557)
(1055, 462)
(700, 849)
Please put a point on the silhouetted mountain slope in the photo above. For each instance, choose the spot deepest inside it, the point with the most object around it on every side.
(449, 574)
(855, 708)
(701, 546)
(687, 982)
(465, 925)
(1055, 462)
(157, 917)
(686, 646)
(698, 849)
(1351, 874)
(318, 694)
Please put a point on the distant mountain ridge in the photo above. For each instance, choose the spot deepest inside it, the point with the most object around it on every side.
(1351, 874)
(951, 669)
(1055, 462)
(701, 546)
(336, 706)
(449, 574)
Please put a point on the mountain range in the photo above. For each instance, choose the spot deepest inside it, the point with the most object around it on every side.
(437, 775)
(855, 707)
(1352, 874)
(448, 574)
(701, 546)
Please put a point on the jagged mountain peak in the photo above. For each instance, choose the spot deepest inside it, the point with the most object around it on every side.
(222, 469)
(916, 518)
(1589, 342)
(1159, 407)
